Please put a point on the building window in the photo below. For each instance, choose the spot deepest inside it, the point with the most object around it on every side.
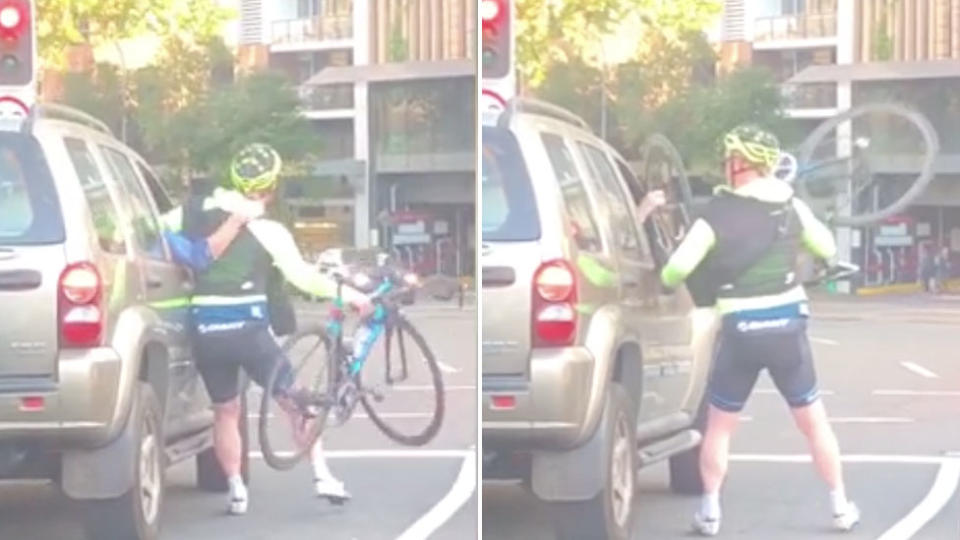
(423, 117)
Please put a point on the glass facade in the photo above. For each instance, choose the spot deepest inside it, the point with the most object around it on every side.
(937, 99)
(423, 117)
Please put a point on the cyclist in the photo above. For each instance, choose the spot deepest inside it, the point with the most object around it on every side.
(229, 306)
(745, 246)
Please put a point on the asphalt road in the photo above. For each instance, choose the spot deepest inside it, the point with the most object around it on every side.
(418, 492)
(890, 370)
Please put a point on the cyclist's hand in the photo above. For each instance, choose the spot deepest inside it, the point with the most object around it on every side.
(362, 305)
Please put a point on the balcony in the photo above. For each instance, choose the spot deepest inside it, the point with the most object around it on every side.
(801, 27)
(311, 30)
(810, 96)
(322, 100)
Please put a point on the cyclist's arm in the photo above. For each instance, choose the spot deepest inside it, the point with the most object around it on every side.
(198, 254)
(816, 236)
(279, 243)
(689, 254)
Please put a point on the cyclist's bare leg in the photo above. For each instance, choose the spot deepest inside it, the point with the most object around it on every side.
(228, 444)
(812, 421)
(715, 452)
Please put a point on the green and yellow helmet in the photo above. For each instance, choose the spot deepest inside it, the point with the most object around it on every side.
(756, 145)
(256, 167)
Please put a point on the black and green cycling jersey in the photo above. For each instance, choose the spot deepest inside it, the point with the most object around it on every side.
(762, 216)
(233, 288)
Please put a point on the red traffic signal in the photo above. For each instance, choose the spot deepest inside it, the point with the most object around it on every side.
(14, 17)
(490, 11)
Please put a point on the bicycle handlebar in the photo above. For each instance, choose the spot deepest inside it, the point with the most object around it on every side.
(838, 270)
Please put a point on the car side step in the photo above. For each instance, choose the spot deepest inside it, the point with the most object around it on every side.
(665, 448)
(188, 446)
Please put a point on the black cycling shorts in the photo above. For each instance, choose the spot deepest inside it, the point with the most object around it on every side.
(747, 347)
(220, 353)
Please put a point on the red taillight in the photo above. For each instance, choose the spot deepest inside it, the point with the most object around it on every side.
(554, 305)
(81, 315)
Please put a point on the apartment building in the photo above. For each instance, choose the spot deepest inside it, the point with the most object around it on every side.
(390, 86)
(830, 55)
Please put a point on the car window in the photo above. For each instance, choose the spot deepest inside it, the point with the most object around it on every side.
(508, 205)
(29, 206)
(637, 192)
(574, 192)
(145, 225)
(624, 229)
(103, 210)
(160, 198)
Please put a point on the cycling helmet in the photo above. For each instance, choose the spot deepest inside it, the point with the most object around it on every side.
(256, 167)
(756, 145)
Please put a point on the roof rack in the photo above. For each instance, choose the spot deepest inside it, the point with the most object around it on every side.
(542, 108)
(63, 112)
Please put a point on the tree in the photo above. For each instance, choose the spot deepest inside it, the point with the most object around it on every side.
(61, 23)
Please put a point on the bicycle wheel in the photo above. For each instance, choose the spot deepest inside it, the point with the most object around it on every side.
(851, 190)
(290, 424)
(414, 376)
(662, 169)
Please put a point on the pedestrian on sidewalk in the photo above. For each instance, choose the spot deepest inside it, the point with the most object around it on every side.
(928, 267)
(942, 268)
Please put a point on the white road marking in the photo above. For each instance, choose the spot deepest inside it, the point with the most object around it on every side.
(856, 419)
(870, 420)
(461, 491)
(917, 393)
(948, 478)
(885, 459)
(774, 391)
(385, 454)
(446, 368)
(429, 388)
(824, 341)
(385, 416)
(919, 370)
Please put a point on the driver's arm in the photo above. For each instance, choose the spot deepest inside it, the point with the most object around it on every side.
(198, 253)
(278, 241)
(817, 237)
(689, 254)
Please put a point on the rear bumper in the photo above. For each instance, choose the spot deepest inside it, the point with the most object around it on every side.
(82, 406)
(550, 405)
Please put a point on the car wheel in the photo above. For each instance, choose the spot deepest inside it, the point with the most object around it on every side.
(210, 475)
(685, 478)
(135, 515)
(609, 515)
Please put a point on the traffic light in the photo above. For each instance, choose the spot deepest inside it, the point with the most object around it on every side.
(16, 43)
(497, 38)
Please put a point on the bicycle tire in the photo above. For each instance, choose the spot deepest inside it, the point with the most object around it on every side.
(913, 116)
(283, 460)
(661, 142)
(403, 326)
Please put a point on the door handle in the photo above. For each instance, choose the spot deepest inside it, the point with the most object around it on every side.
(631, 283)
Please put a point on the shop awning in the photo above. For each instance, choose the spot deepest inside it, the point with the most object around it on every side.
(397, 71)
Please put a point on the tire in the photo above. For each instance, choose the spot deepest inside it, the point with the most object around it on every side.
(918, 120)
(210, 475)
(284, 459)
(685, 477)
(401, 327)
(595, 519)
(127, 517)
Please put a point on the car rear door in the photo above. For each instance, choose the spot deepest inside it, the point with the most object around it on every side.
(32, 237)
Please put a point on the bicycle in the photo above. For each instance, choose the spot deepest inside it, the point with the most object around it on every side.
(333, 388)
(823, 179)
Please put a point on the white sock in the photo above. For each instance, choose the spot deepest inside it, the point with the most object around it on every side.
(237, 489)
(710, 506)
(838, 501)
(319, 463)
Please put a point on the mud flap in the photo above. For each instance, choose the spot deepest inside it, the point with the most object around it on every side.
(106, 472)
(578, 474)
